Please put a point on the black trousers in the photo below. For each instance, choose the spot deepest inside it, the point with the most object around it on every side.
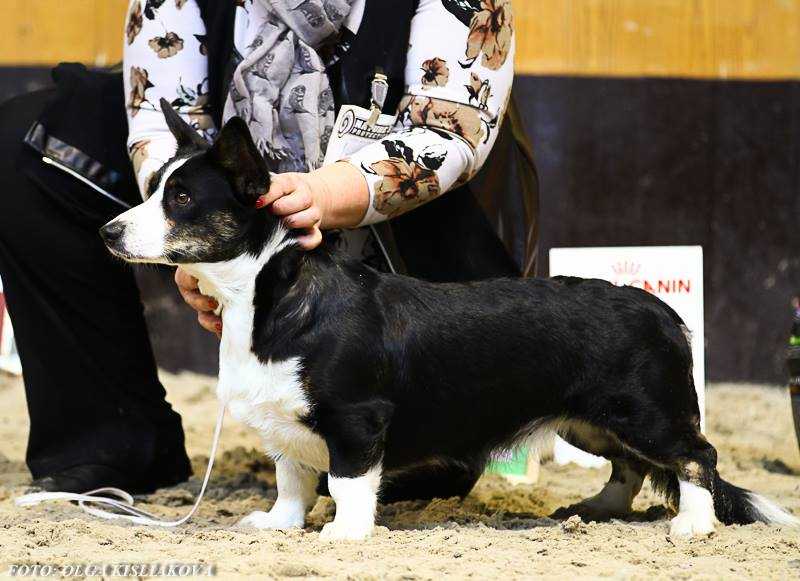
(90, 378)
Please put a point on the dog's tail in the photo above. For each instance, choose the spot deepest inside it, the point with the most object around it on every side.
(734, 505)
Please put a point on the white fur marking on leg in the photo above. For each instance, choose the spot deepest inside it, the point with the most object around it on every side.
(356, 501)
(695, 513)
(296, 494)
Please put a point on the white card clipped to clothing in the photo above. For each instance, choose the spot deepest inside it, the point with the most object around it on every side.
(352, 132)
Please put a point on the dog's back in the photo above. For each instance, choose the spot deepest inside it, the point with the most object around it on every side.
(471, 367)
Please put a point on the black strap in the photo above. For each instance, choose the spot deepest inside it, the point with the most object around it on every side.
(219, 17)
(529, 183)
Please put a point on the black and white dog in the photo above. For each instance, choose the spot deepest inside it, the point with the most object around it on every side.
(368, 375)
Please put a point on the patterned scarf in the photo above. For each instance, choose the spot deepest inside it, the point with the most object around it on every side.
(280, 88)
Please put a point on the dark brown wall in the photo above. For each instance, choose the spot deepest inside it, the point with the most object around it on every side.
(645, 161)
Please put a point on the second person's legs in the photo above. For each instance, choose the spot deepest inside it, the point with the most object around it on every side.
(97, 410)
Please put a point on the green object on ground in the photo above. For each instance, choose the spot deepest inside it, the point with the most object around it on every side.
(794, 341)
(513, 462)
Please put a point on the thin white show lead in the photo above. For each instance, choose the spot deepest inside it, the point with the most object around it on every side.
(383, 248)
(125, 502)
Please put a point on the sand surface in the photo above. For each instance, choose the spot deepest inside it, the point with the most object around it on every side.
(500, 530)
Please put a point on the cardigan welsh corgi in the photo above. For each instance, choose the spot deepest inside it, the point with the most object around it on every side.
(369, 376)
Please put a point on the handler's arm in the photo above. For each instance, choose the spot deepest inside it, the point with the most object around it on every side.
(459, 75)
(163, 56)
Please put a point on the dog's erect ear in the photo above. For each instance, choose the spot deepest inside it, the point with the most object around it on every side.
(187, 137)
(236, 153)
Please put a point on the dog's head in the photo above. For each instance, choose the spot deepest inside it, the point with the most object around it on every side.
(201, 204)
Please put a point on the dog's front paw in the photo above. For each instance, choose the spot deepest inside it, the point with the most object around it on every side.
(339, 530)
(273, 520)
(688, 524)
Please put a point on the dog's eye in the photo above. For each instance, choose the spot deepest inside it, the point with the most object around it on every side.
(182, 198)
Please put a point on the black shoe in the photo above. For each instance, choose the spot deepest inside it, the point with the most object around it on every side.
(81, 479)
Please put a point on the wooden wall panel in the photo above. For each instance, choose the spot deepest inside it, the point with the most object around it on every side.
(44, 32)
(109, 27)
(750, 39)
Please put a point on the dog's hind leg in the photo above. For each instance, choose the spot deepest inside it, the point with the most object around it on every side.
(706, 498)
(696, 503)
(627, 473)
(681, 450)
(616, 497)
(673, 445)
(676, 446)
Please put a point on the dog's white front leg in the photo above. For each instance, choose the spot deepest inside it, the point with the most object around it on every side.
(356, 501)
(296, 494)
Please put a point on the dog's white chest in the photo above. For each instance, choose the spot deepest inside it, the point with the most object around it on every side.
(270, 398)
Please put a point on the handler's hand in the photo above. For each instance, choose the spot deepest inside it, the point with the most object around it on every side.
(299, 200)
(187, 285)
(333, 196)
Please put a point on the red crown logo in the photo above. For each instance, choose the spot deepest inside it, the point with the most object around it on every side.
(626, 267)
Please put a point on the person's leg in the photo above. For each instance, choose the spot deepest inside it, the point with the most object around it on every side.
(94, 397)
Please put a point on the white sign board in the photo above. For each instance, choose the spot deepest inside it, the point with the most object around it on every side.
(9, 358)
(672, 273)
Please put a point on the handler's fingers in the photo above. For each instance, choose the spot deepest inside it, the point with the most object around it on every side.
(280, 185)
(197, 301)
(307, 218)
(210, 322)
(184, 280)
(311, 240)
(297, 201)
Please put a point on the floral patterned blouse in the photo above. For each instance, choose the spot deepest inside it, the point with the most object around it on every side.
(458, 81)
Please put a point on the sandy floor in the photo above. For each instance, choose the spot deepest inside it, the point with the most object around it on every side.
(499, 529)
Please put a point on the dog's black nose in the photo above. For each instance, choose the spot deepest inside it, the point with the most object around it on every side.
(112, 231)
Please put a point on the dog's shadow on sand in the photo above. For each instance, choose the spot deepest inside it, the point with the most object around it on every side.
(469, 511)
(586, 514)
(244, 481)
